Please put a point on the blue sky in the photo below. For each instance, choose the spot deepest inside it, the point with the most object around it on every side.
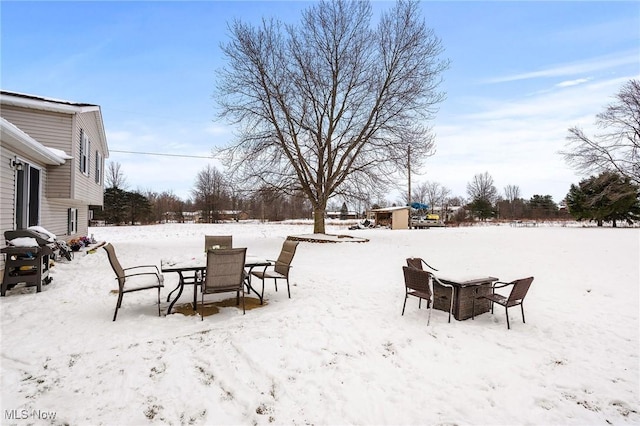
(521, 74)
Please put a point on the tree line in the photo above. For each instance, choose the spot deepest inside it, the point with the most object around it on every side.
(212, 195)
(608, 197)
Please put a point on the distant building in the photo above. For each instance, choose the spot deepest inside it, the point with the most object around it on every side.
(393, 217)
(236, 215)
(341, 215)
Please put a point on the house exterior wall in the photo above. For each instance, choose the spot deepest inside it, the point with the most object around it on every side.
(63, 131)
(62, 186)
(86, 189)
(8, 192)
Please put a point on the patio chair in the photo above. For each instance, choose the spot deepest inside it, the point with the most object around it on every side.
(419, 283)
(146, 277)
(281, 267)
(417, 262)
(210, 241)
(437, 285)
(225, 273)
(221, 241)
(515, 297)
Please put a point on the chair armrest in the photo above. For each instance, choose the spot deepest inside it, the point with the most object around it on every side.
(289, 266)
(264, 269)
(142, 266)
(441, 283)
(500, 284)
(159, 276)
(427, 265)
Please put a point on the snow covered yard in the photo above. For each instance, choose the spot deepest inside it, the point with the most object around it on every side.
(338, 351)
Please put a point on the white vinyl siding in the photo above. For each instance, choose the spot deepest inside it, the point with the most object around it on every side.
(86, 189)
(52, 129)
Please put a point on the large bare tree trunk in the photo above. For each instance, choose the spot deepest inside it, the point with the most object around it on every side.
(318, 220)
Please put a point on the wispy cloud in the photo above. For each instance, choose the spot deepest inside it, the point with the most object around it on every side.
(517, 141)
(575, 68)
(575, 82)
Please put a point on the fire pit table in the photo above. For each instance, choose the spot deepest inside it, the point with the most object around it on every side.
(464, 291)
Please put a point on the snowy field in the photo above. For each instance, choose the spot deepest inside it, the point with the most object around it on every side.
(338, 352)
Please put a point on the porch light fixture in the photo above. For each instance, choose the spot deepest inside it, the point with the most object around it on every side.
(16, 164)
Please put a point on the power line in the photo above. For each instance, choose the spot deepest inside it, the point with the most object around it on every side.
(161, 154)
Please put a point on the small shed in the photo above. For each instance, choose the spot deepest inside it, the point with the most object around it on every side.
(393, 217)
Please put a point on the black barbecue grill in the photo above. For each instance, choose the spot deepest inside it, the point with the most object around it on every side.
(28, 265)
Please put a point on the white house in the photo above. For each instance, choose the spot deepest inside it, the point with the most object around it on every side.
(52, 155)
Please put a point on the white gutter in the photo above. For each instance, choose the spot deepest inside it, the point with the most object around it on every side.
(47, 104)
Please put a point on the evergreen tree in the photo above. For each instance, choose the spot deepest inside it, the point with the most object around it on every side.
(122, 206)
(138, 207)
(115, 206)
(481, 208)
(344, 212)
(608, 197)
(542, 206)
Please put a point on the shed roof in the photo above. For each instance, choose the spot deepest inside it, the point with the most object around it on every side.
(391, 209)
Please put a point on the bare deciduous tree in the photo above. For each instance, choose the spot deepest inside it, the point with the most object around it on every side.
(115, 177)
(432, 194)
(419, 193)
(209, 192)
(329, 106)
(513, 204)
(482, 188)
(511, 193)
(437, 195)
(617, 147)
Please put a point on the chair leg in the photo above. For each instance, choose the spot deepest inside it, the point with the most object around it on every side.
(288, 290)
(451, 307)
(275, 282)
(429, 317)
(405, 303)
(522, 309)
(262, 293)
(506, 310)
(195, 295)
(244, 311)
(118, 304)
(420, 303)
(201, 307)
(159, 313)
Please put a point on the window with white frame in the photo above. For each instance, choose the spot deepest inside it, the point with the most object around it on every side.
(98, 168)
(72, 221)
(85, 150)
